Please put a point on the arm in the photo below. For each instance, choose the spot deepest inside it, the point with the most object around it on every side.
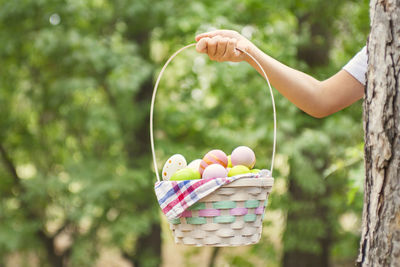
(317, 98)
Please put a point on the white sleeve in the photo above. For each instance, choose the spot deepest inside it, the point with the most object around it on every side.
(357, 66)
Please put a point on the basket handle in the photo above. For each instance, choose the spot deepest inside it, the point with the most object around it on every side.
(154, 98)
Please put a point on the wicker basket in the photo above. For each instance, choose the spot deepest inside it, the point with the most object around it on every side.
(230, 216)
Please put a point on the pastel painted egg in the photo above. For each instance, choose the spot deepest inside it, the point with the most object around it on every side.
(255, 170)
(214, 171)
(195, 164)
(174, 163)
(243, 155)
(238, 169)
(229, 161)
(215, 156)
(185, 174)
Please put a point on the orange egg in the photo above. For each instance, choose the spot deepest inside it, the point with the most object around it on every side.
(215, 156)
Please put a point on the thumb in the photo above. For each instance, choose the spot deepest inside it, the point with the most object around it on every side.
(243, 46)
(210, 34)
(239, 47)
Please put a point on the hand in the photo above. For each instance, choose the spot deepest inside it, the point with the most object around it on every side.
(221, 45)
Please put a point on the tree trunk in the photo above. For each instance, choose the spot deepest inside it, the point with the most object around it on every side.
(380, 238)
(314, 55)
(297, 218)
(148, 251)
(48, 242)
(213, 257)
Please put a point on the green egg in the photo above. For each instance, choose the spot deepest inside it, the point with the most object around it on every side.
(255, 170)
(185, 174)
(238, 169)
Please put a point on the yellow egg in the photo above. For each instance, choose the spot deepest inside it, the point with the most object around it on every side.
(238, 169)
(229, 162)
(185, 174)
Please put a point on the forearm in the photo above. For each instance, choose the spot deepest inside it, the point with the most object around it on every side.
(317, 98)
(301, 89)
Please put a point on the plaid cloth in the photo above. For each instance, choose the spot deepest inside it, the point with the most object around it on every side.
(174, 197)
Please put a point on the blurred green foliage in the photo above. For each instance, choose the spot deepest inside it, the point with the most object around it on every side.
(75, 85)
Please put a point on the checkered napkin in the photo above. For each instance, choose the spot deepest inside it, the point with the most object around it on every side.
(174, 197)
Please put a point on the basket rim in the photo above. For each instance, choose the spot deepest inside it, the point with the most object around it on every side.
(256, 182)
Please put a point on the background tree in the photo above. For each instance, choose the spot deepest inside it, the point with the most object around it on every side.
(316, 205)
(75, 170)
(380, 239)
(74, 104)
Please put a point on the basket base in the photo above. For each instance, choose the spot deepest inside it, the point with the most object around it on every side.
(216, 242)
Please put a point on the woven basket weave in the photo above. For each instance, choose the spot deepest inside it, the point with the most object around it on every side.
(230, 216)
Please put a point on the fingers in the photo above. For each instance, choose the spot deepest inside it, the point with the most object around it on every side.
(220, 48)
(231, 51)
(212, 47)
(201, 46)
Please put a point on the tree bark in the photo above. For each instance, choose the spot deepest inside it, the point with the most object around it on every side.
(380, 238)
(213, 257)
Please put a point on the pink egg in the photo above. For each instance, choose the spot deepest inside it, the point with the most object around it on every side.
(243, 155)
(214, 171)
(215, 156)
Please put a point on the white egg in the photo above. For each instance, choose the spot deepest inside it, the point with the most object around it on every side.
(195, 164)
(174, 163)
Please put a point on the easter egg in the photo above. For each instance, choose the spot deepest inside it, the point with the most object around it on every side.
(243, 155)
(215, 156)
(195, 164)
(174, 163)
(229, 161)
(185, 174)
(255, 170)
(238, 169)
(214, 171)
